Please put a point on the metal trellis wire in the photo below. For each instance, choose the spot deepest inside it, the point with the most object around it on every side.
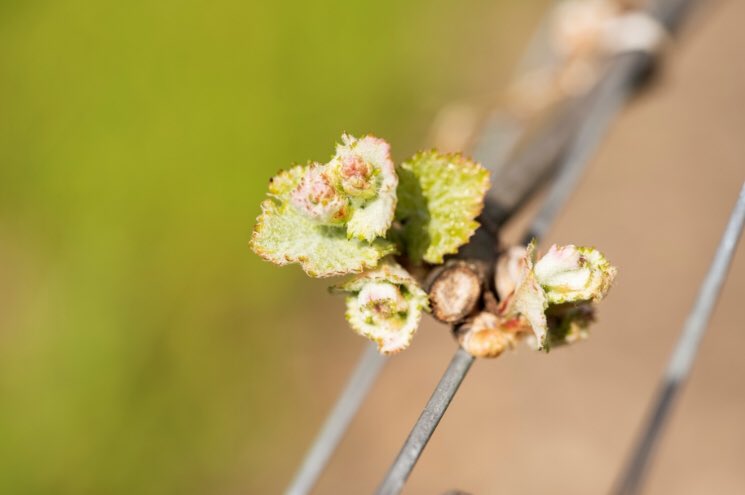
(681, 361)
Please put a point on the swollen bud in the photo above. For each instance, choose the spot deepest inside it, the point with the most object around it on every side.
(356, 177)
(365, 173)
(485, 336)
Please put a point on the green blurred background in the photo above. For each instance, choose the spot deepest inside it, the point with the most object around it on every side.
(143, 347)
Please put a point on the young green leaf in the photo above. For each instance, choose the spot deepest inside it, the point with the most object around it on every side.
(439, 198)
(296, 226)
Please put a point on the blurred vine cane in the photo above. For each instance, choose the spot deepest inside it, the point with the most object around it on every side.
(681, 361)
(621, 77)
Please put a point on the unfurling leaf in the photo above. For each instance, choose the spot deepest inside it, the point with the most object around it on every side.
(290, 230)
(570, 274)
(553, 296)
(366, 175)
(439, 198)
(385, 305)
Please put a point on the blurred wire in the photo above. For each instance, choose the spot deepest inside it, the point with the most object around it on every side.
(623, 75)
(681, 361)
(611, 94)
(337, 422)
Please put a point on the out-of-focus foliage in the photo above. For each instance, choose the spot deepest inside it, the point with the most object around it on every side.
(136, 140)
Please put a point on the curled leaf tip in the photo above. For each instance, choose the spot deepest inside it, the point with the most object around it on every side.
(364, 171)
(571, 274)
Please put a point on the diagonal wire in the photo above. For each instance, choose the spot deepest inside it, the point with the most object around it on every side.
(426, 424)
(607, 99)
(681, 361)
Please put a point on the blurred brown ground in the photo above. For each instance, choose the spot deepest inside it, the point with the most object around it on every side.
(655, 200)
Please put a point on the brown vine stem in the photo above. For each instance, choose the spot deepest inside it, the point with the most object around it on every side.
(455, 292)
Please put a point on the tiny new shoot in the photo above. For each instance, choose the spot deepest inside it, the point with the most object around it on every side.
(360, 214)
